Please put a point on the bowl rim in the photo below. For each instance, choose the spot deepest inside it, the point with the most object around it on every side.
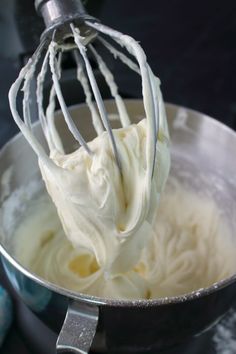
(95, 300)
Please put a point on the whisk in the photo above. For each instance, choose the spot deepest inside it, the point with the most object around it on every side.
(70, 28)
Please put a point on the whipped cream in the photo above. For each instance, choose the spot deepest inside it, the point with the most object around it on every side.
(105, 199)
(101, 210)
(190, 248)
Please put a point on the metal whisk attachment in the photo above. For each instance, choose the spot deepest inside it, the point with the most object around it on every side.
(69, 27)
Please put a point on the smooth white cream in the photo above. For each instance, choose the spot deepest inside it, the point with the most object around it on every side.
(102, 210)
(190, 248)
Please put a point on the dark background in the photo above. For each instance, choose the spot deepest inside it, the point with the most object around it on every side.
(190, 45)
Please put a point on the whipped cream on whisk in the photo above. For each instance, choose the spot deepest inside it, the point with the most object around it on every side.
(101, 210)
(106, 206)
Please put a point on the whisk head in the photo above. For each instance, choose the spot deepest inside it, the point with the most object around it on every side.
(106, 191)
(53, 46)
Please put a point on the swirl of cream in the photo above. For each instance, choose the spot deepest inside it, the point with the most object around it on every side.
(107, 213)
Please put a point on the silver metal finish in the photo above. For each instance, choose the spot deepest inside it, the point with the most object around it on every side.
(203, 156)
(58, 15)
(79, 329)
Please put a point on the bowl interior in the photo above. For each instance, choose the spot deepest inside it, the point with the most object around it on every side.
(202, 150)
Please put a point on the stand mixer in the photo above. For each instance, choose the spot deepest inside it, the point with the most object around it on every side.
(158, 319)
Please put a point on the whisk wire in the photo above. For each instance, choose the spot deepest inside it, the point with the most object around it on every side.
(88, 95)
(27, 85)
(147, 84)
(39, 93)
(69, 121)
(125, 121)
(118, 54)
(96, 92)
(13, 92)
(48, 120)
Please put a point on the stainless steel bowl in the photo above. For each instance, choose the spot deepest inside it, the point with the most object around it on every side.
(203, 156)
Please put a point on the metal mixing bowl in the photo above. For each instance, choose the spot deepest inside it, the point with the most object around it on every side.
(203, 156)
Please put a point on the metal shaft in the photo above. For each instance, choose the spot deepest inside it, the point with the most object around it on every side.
(58, 14)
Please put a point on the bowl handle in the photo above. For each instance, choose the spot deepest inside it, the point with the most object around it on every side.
(78, 329)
